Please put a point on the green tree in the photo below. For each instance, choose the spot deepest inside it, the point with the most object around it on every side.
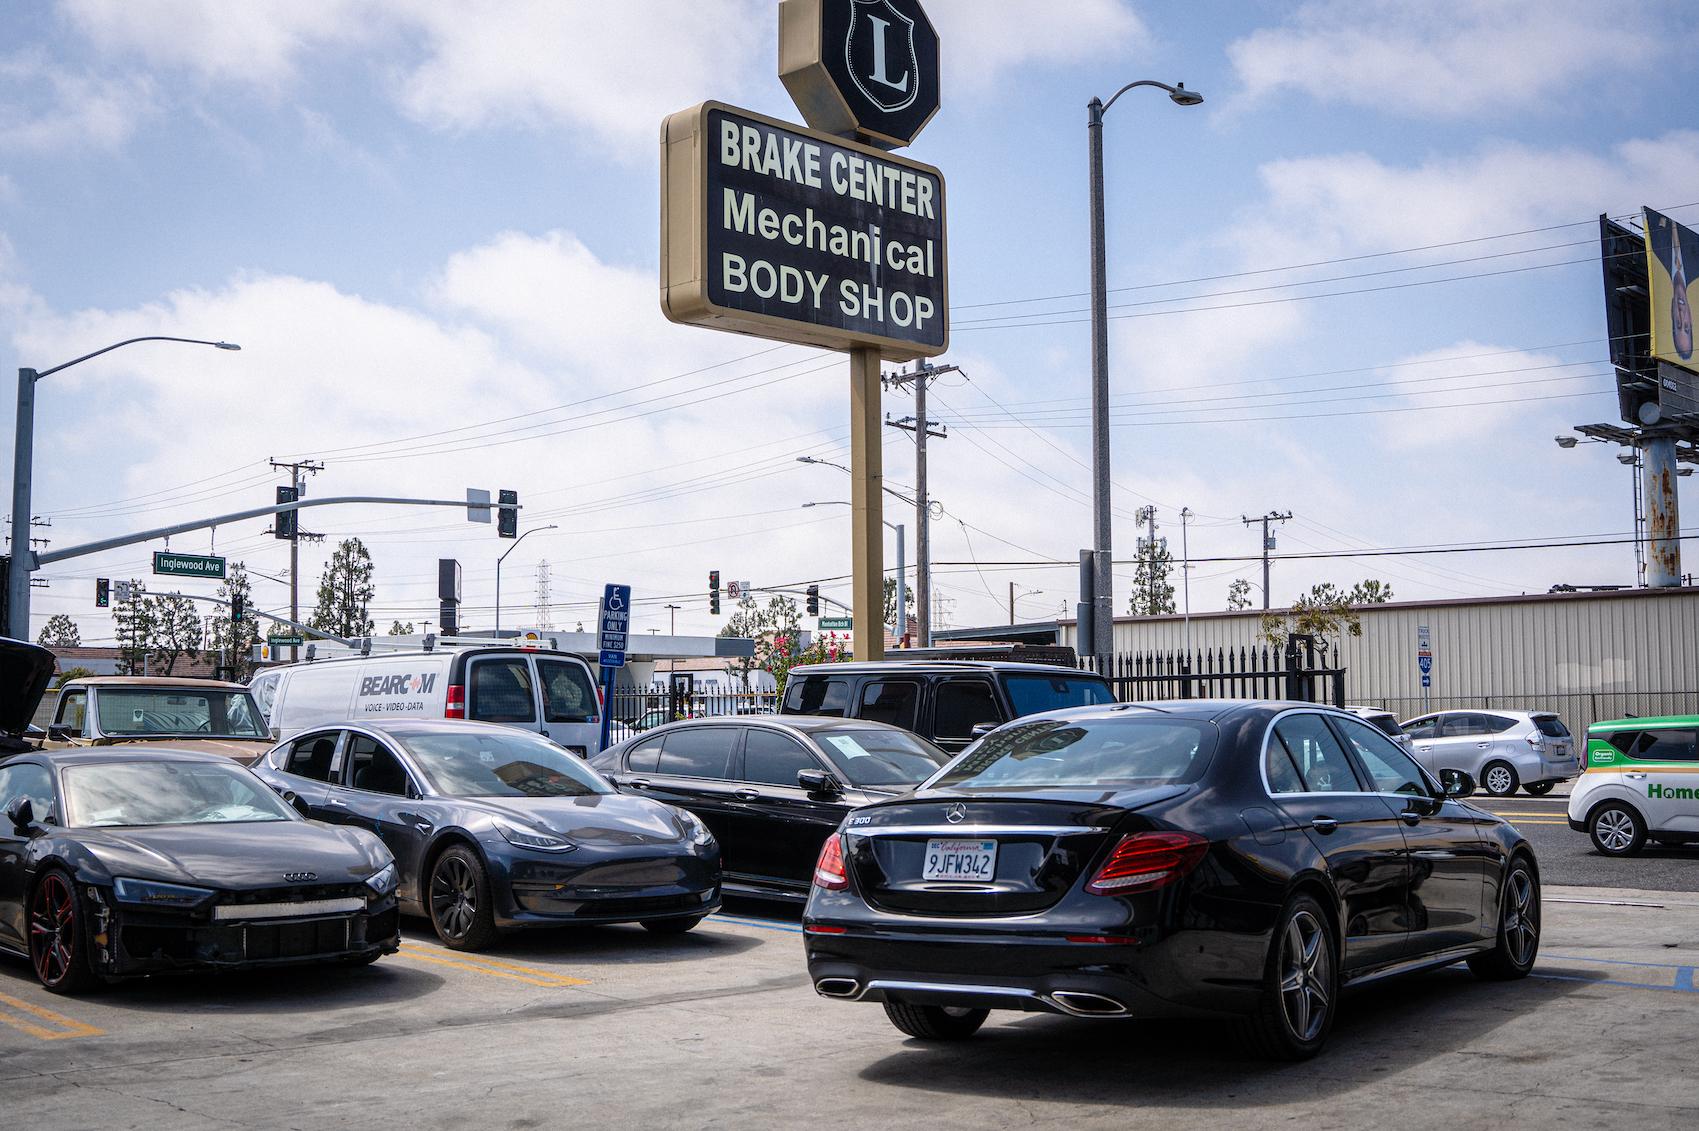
(76, 671)
(1153, 593)
(60, 631)
(1371, 592)
(1239, 594)
(891, 603)
(1326, 611)
(236, 641)
(176, 631)
(761, 623)
(397, 628)
(345, 592)
(133, 623)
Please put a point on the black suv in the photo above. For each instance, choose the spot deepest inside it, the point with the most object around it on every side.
(947, 702)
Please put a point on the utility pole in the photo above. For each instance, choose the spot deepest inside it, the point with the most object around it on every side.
(300, 486)
(1267, 545)
(924, 372)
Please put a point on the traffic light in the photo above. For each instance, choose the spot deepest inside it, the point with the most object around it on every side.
(237, 607)
(813, 600)
(102, 593)
(286, 523)
(714, 591)
(507, 514)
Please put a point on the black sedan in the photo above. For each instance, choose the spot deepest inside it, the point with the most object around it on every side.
(494, 828)
(1204, 859)
(772, 788)
(150, 861)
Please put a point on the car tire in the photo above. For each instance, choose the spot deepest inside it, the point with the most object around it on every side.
(936, 1022)
(1499, 779)
(1617, 829)
(1539, 788)
(1518, 926)
(459, 900)
(1301, 974)
(58, 935)
(672, 926)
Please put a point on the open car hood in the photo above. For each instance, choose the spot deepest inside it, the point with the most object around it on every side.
(25, 671)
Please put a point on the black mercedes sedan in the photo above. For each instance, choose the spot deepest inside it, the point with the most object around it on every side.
(496, 828)
(149, 861)
(771, 788)
(1238, 860)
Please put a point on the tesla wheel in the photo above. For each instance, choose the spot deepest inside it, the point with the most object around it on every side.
(1540, 788)
(1500, 779)
(58, 946)
(671, 926)
(1300, 986)
(1617, 830)
(1518, 927)
(936, 1022)
(460, 901)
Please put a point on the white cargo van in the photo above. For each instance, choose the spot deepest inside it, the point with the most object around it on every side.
(551, 693)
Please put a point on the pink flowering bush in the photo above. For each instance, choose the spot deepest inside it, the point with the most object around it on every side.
(780, 654)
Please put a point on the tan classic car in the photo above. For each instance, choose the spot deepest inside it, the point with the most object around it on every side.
(194, 714)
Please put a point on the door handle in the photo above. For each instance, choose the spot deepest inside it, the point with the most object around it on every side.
(1323, 824)
(1636, 777)
(416, 821)
(1482, 745)
(746, 794)
(334, 802)
(638, 783)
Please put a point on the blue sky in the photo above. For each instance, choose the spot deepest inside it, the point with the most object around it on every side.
(420, 217)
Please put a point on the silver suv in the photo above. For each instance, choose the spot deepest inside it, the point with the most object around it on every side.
(1500, 749)
(1387, 723)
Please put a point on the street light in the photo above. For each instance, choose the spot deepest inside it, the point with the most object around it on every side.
(23, 460)
(902, 566)
(1013, 597)
(1103, 614)
(503, 558)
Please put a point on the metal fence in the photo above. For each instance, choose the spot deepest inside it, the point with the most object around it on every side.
(1297, 672)
(645, 707)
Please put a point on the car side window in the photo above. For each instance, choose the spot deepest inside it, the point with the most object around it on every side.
(1624, 741)
(501, 692)
(822, 697)
(1666, 746)
(698, 752)
(893, 701)
(1282, 773)
(643, 757)
(1388, 767)
(1461, 725)
(73, 712)
(27, 781)
(1495, 724)
(312, 756)
(771, 758)
(1316, 754)
(959, 705)
(1421, 728)
(374, 768)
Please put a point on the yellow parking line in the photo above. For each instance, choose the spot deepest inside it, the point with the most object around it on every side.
(1519, 821)
(67, 1026)
(494, 967)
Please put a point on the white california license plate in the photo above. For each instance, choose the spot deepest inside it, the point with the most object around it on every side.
(960, 860)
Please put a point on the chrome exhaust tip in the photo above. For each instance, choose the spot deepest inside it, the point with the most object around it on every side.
(1081, 1004)
(837, 987)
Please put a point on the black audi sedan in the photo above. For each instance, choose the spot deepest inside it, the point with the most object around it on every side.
(150, 861)
(1238, 860)
(496, 828)
(771, 788)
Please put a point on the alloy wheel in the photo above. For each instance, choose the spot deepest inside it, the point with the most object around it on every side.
(1615, 830)
(1521, 917)
(53, 929)
(1306, 975)
(1500, 780)
(454, 896)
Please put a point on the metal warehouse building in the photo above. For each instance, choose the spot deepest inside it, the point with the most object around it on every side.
(1588, 656)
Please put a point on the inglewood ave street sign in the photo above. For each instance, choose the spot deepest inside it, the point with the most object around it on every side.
(188, 565)
(788, 233)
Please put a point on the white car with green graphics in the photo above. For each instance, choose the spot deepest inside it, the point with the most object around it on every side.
(1641, 783)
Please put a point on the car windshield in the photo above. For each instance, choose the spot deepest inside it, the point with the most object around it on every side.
(1063, 754)
(874, 758)
(167, 793)
(139, 711)
(497, 764)
(1031, 694)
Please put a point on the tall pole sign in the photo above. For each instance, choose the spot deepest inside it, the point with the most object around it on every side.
(820, 235)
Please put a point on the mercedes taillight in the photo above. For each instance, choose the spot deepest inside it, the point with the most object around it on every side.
(1145, 861)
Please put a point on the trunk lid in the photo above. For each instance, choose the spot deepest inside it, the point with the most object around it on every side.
(1040, 843)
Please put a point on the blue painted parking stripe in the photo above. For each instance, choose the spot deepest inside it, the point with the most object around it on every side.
(1684, 979)
(1617, 961)
(1678, 987)
(764, 924)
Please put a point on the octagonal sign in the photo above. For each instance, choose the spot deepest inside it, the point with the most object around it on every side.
(862, 67)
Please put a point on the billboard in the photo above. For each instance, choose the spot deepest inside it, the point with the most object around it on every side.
(1672, 264)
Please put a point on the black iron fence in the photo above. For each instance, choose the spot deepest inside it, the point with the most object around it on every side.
(1298, 672)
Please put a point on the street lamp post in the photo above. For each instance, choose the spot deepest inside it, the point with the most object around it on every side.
(23, 460)
(1102, 596)
(503, 558)
(902, 568)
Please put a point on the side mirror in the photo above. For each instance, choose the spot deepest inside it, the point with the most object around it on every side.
(1456, 783)
(22, 815)
(59, 732)
(819, 782)
(294, 800)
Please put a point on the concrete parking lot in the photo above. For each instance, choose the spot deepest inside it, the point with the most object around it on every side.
(613, 1027)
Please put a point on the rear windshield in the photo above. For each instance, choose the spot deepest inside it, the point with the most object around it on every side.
(1031, 694)
(1106, 753)
(880, 757)
(1388, 724)
(139, 711)
(1551, 726)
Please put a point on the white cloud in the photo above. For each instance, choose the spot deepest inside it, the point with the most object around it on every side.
(53, 108)
(982, 42)
(1448, 60)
